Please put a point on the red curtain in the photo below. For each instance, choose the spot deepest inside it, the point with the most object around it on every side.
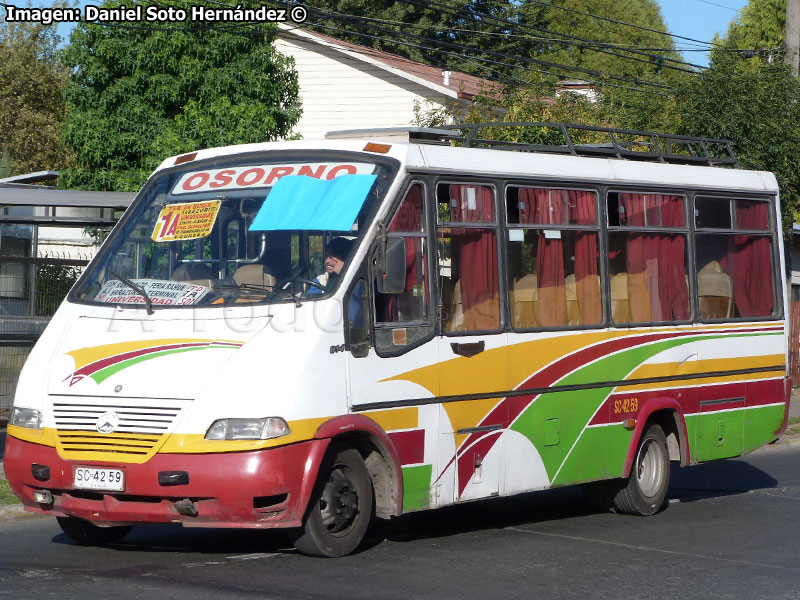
(583, 211)
(656, 262)
(547, 207)
(556, 207)
(477, 256)
(750, 264)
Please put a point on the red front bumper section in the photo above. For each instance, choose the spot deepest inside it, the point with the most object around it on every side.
(260, 489)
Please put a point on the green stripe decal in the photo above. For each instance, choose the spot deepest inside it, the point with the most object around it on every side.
(582, 454)
(417, 487)
(104, 374)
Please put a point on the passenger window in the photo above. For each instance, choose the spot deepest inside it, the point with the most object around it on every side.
(647, 258)
(554, 276)
(467, 250)
(404, 319)
(735, 271)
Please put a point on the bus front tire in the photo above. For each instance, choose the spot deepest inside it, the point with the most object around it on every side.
(340, 508)
(645, 490)
(87, 534)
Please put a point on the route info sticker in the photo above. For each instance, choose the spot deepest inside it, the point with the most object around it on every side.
(188, 221)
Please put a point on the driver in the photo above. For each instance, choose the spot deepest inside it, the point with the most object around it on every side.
(336, 253)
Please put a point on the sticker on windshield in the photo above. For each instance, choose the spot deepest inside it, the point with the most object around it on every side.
(262, 176)
(160, 292)
(186, 221)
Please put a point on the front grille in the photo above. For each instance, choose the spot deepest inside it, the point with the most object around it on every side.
(153, 420)
(102, 444)
(140, 428)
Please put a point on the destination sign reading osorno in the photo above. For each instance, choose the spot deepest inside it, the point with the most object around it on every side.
(153, 14)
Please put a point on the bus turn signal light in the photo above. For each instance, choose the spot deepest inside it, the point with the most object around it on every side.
(183, 158)
(379, 148)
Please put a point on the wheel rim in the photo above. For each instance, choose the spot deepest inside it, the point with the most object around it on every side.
(650, 468)
(339, 502)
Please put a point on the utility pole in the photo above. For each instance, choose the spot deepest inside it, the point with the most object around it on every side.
(792, 34)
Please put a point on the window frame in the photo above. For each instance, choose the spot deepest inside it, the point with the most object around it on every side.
(430, 263)
(686, 230)
(601, 244)
(495, 185)
(771, 233)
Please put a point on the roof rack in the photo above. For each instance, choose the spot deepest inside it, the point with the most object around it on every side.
(617, 143)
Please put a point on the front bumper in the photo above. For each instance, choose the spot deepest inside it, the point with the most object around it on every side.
(259, 489)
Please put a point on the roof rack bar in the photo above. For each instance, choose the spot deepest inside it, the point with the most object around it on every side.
(661, 147)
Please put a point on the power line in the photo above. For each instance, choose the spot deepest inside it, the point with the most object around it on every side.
(720, 5)
(463, 47)
(489, 61)
(586, 14)
(579, 42)
(590, 45)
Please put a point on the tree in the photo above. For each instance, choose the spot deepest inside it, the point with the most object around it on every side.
(452, 34)
(760, 26)
(139, 93)
(634, 68)
(756, 105)
(31, 79)
(527, 44)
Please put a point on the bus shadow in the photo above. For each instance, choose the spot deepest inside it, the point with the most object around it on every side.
(197, 540)
(717, 479)
(710, 480)
(688, 484)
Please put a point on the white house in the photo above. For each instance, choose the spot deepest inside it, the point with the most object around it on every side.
(347, 86)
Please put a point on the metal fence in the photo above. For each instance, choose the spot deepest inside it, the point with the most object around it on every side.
(31, 289)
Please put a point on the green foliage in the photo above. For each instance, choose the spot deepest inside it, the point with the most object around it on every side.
(621, 66)
(761, 25)
(756, 105)
(381, 23)
(32, 109)
(53, 282)
(140, 94)
(5, 161)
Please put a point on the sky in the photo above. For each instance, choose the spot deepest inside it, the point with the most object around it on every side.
(696, 19)
(699, 20)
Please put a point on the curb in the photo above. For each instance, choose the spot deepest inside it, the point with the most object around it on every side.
(15, 512)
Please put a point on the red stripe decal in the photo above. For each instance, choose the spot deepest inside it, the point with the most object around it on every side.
(105, 362)
(410, 446)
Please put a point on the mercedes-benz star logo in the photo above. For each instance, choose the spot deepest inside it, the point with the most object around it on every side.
(107, 422)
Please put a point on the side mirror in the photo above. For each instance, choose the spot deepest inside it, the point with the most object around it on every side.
(391, 265)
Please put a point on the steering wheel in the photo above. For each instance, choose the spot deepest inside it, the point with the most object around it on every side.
(316, 284)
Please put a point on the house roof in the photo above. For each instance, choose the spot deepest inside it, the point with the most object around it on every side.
(453, 84)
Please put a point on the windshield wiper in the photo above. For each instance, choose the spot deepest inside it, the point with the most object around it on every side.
(139, 290)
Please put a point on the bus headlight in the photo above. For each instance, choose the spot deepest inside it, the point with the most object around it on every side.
(247, 429)
(30, 418)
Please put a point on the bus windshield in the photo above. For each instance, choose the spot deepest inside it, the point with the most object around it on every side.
(249, 229)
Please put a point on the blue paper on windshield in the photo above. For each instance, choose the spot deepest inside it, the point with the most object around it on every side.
(302, 202)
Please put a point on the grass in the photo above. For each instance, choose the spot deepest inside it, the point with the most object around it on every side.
(6, 495)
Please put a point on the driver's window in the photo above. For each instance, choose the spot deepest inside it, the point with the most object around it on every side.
(404, 319)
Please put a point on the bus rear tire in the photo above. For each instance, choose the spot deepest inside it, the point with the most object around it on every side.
(645, 490)
(340, 508)
(87, 534)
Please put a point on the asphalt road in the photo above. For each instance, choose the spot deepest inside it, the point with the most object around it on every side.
(731, 530)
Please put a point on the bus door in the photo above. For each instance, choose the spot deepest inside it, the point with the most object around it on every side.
(473, 353)
(397, 371)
